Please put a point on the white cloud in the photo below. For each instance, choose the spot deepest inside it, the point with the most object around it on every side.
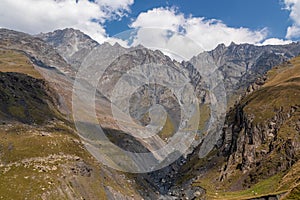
(210, 33)
(293, 32)
(115, 7)
(34, 16)
(159, 18)
(294, 7)
(276, 41)
(197, 34)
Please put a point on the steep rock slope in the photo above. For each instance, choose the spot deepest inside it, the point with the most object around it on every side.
(24, 98)
(111, 64)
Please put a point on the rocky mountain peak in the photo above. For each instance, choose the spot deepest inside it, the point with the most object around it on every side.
(72, 44)
(117, 45)
(220, 47)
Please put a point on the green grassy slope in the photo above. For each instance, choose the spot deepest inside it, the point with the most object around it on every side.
(13, 61)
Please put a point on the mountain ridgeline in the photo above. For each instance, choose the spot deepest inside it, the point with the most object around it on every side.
(252, 154)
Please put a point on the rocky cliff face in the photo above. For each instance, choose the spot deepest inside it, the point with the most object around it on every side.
(240, 65)
(247, 144)
(261, 134)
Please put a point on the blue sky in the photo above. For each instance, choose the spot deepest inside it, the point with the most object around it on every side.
(207, 23)
(254, 14)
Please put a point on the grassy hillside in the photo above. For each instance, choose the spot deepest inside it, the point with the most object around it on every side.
(281, 91)
(13, 61)
(50, 162)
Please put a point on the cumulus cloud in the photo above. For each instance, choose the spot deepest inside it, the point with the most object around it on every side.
(35, 16)
(160, 18)
(196, 33)
(294, 7)
(276, 41)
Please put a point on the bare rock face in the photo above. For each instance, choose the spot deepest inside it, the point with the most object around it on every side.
(72, 44)
(140, 82)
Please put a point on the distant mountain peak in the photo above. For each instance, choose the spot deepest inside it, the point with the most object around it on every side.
(232, 44)
(117, 45)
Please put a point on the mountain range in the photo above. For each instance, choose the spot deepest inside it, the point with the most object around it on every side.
(245, 144)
